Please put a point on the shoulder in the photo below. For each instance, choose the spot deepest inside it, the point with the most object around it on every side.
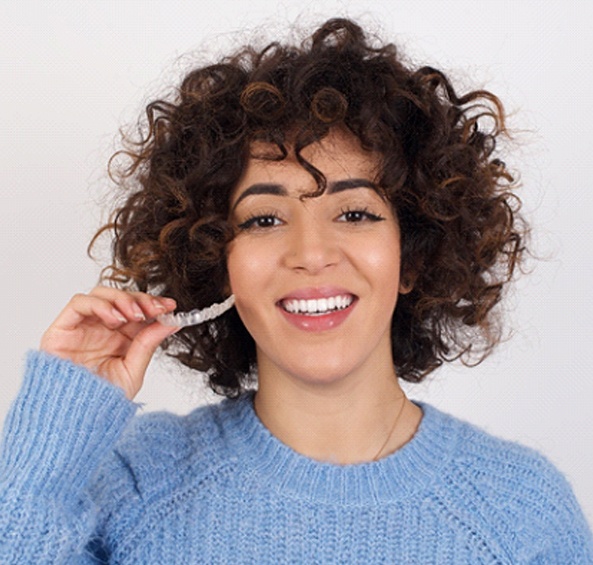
(512, 466)
(161, 452)
(165, 440)
(517, 492)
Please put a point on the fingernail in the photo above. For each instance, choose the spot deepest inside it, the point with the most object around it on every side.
(158, 305)
(138, 314)
(119, 315)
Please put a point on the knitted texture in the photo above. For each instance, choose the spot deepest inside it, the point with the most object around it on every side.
(83, 481)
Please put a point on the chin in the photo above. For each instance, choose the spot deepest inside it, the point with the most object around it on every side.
(322, 375)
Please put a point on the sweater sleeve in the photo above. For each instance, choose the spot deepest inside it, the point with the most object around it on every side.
(561, 532)
(60, 427)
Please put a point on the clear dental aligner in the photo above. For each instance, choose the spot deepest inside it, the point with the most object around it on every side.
(194, 317)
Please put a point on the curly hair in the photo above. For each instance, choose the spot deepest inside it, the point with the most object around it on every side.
(462, 235)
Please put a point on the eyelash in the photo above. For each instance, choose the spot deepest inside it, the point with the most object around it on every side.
(369, 216)
(252, 221)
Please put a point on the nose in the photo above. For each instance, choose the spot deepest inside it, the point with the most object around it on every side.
(312, 247)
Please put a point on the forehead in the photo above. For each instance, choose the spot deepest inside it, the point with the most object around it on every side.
(338, 156)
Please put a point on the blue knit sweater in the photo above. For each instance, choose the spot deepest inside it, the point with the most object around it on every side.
(83, 481)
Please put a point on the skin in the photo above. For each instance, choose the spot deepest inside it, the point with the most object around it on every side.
(333, 394)
(330, 394)
(112, 333)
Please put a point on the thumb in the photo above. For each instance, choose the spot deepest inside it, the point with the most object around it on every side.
(143, 347)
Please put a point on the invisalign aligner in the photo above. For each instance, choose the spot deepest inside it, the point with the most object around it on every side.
(194, 317)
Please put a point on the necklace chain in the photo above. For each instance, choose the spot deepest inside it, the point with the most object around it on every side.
(399, 413)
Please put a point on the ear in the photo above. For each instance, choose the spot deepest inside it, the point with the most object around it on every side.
(405, 286)
(407, 279)
(226, 286)
(408, 275)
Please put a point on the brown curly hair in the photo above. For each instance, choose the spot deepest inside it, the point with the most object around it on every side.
(462, 236)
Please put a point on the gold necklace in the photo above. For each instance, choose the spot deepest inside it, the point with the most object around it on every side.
(399, 413)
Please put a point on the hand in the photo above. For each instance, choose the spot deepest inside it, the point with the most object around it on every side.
(111, 332)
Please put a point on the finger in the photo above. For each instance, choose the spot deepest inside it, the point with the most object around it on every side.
(144, 345)
(138, 306)
(83, 306)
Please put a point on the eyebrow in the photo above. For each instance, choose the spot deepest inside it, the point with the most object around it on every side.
(279, 190)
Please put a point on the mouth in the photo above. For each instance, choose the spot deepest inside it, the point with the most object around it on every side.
(317, 306)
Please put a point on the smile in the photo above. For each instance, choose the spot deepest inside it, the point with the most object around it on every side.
(317, 306)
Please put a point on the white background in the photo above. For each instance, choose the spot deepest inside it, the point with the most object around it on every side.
(73, 72)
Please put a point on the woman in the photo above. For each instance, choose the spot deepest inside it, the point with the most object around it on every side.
(358, 213)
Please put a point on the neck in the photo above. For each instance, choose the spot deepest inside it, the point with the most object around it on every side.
(352, 421)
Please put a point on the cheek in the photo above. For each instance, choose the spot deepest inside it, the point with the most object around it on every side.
(236, 267)
(251, 266)
(382, 257)
(251, 271)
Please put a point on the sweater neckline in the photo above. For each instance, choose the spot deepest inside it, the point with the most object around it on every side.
(270, 462)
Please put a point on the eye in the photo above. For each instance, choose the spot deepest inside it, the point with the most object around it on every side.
(262, 221)
(358, 215)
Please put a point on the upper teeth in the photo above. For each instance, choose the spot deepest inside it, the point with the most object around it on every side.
(317, 305)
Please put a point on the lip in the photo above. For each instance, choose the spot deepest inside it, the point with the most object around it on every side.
(317, 323)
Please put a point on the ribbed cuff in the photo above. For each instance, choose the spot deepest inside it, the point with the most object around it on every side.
(62, 423)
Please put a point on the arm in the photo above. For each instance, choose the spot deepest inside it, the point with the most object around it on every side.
(66, 419)
(560, 533)
(60, 427)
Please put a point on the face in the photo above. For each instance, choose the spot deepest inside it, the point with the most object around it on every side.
(315, 279)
